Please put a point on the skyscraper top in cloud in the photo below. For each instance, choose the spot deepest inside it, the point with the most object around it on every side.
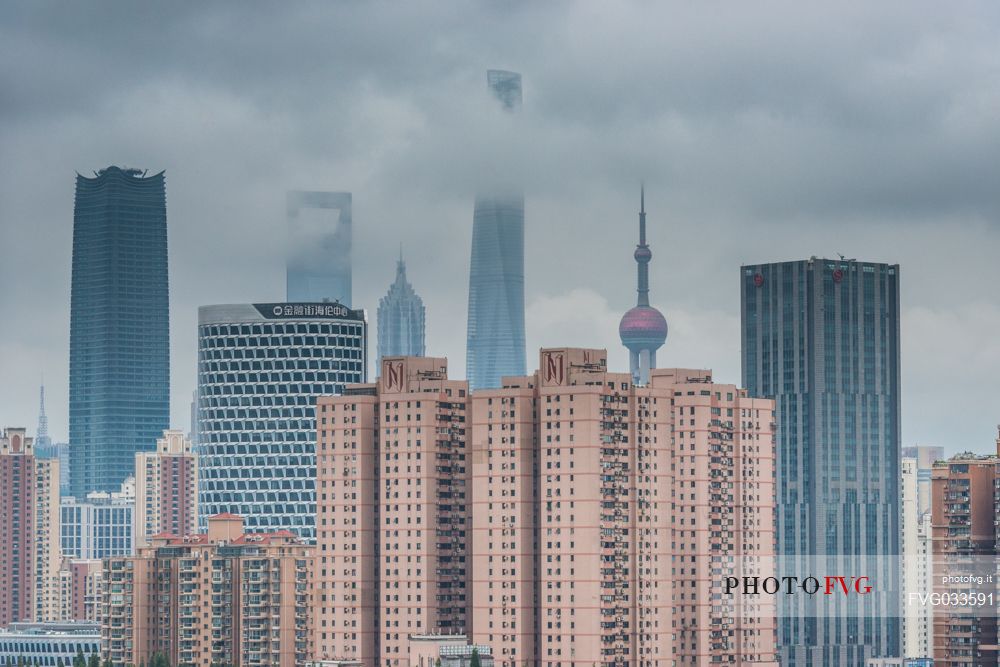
(320, 232)
(119, 377)
(495, 334)
(506, 86)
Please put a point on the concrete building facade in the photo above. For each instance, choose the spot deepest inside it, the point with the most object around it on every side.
(221, 597)
(80, 586)
(166, 489)
(99, 526)
(29, 529)
(966, 536)
(393, 533)
(47, 644)
(603, 510)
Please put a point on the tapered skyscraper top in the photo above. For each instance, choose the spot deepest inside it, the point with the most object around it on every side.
(400, 319)
(643, 329)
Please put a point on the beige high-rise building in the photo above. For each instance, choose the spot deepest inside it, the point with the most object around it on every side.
(166, 489)
(48, 554)
(605, 513)
(217, 598)
(80, 590)
(392, 522)
(965, 499)
(604, 516)
(29, 531)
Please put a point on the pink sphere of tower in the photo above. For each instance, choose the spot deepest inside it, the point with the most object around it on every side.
(643, 327)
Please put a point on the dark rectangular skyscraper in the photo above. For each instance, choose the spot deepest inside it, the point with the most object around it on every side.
(495, 336)
(119, 377)
(821, 337)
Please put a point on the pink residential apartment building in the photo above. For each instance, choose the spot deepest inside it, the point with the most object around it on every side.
(569, 518)
(393, 505)
(29, 530)
(166, 489)
(604, 513)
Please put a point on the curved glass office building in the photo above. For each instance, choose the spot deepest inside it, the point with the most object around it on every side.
(119, 341)
(261, 368)
(495, 336)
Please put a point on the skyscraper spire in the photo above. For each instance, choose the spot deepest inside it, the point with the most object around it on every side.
(43, 421)
(643, 329)
(400, 318)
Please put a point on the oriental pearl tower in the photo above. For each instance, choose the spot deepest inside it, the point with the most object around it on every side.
(643, 329)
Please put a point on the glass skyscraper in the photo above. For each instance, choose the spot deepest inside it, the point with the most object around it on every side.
(495, 337)
(318, 267)
(261, 368)
(400, 319)
(821, 337)
(119, 376)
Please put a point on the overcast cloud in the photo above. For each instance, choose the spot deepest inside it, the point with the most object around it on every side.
(764, 131)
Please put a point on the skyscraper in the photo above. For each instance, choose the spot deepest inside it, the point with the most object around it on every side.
(495, 336)
(643, 329)
(318, 267)
(400, 319)
(821, 337)
(606, 515)
(119, 376)
(261, 368)
(413, 481)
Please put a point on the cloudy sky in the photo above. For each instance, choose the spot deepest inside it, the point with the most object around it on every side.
(764, 131)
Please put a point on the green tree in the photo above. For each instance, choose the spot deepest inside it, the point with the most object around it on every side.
(108, 663)
(475, 661)
(80, 660)
(94, 660)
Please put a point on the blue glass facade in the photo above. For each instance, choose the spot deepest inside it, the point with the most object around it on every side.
(119, 378)
(821, 337)
(495, 336)
(261, 368)
(400, 320)
(320, 233)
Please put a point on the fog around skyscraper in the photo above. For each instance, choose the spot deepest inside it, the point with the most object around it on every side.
(764, 133)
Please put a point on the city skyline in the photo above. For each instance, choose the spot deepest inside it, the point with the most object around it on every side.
(866, 156)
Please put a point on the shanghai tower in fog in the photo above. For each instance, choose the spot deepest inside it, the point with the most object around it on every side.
(119, 343)
(495, 342)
